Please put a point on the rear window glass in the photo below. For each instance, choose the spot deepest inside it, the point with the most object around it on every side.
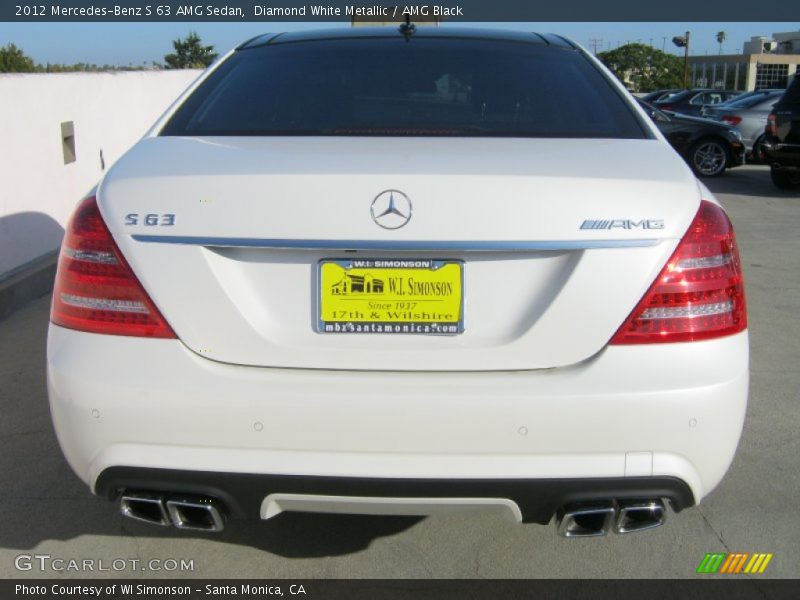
(678, 97)
(754, 100)
(423, 87)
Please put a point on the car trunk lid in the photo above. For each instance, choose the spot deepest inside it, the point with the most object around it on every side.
(558, 239)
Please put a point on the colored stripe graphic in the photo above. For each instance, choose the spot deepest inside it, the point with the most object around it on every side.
(758, 563)
(711, 562)
(734, 563)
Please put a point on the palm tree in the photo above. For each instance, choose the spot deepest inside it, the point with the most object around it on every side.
(721, 37)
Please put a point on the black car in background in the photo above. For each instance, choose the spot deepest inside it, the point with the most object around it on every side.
(707, 146)
(781, 143)
(691, 102)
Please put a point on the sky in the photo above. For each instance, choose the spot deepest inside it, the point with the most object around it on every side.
(142, 43)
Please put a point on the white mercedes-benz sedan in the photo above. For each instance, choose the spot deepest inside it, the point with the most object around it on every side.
(399, 271)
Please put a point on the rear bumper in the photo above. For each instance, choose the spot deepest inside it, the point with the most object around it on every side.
(663, 411)
(535, 500)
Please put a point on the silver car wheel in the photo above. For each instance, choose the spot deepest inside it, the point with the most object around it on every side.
(709, 158)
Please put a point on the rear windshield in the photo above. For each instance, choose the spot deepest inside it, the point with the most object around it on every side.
(751, 101)
(678, 97)
(423, 87)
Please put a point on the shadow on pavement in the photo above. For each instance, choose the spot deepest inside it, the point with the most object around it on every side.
(294, 535)
(748, 180)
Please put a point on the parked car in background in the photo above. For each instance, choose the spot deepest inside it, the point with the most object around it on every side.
(691, 102)
(749, 116)
(709, 147)
(660, 95)
(782, 140)
(744, 95)
(387, 271)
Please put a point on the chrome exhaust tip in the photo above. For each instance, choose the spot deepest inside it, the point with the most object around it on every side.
(639, 515)
(586, 519)
(145, 507)
(199, 514)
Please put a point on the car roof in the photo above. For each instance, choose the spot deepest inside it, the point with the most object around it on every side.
(693, 92)
(548, 39)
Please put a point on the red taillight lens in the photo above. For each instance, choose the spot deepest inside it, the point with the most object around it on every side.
(95, 289)
(700, 292)
(772, 125)
(666, 107)
(731, 119)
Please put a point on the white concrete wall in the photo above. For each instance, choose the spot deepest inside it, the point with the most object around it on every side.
(110, 112)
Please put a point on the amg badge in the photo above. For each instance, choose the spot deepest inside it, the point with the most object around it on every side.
(622, 224)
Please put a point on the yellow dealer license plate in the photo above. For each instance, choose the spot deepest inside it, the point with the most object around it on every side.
(391, 296)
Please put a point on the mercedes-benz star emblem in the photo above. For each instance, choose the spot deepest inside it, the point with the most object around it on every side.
(391, 209)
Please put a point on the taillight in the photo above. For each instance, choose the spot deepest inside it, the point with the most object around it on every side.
(699, 294)
(95, 288)
(666, 107)
(731, 119)
(772, 125)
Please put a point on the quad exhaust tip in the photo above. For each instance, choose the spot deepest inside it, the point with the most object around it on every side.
(145, 507)
(200, 514)
(197, 513)
(639, 516)
(586, 520)
(595, 519)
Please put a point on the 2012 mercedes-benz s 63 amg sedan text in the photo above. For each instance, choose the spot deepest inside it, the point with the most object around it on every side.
(396, 272)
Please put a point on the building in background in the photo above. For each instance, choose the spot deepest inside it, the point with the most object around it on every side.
(765, 62)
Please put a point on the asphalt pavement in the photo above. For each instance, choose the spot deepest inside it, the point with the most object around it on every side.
(46, 511)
